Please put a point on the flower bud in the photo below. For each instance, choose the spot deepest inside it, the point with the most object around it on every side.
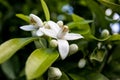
(60, 23)
(53, 43)
(105, 33)
(82, 63)
(109, 46)
(73, 49)
(54, 73)
(99, 45)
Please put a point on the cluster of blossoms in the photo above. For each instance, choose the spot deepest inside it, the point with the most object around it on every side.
(58, 31)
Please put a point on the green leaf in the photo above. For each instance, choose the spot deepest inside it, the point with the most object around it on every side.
(97, 76)
(8, 48)
(64, 77)
(115, 37)
(98, 54)
(8, 69)
(80, 24)
(100, 39)
(76, 77)
(98, 14)
(78, 27)
(113, 6)
(77, 18)
(39, 61)
(23, 17)
(45, 9)
(11, 67)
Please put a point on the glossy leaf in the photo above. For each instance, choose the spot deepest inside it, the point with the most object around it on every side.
(23, 17)
(8, 48)
(45, 9)
(113, 6)
(39, 61)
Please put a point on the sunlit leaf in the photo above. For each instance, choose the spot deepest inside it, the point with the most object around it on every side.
(23, 17)
(39, 61)
(8, 48)
(46, 11)
(113, 6)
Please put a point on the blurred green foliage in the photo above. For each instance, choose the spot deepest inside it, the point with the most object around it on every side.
(94, 10)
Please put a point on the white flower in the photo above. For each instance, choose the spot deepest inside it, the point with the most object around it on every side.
(35, 24)
(61, 34)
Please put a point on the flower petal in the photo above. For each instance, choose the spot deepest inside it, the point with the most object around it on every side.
(39, 33)
(54, 26)
(49, 32)
(63, 47)
(72, 36)
(36, 19)
(28, 27)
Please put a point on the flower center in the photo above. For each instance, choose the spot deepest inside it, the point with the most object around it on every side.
(34, 22)
(64, 30)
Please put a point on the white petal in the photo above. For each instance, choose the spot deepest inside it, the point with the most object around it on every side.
(37, 19)
(49, 32)
(54, 26)
(39, 33)
(63, 47)
(28, 27)
(72, 36)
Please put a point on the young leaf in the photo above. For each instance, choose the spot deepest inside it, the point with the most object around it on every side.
(45, 9)
(113, 6)
(39, 61)
(23, 17)
(8, 48)
(98, 54)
